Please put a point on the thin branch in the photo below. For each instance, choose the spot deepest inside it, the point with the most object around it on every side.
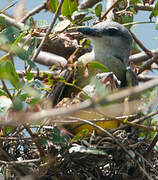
(148, 64)
(152, 145)
(138, 22)
(19, 162)
(48, 31)
(34, 138)
(151, 166)
(6, 89)
(14, 138)
(136, 121)
(147, 51)
(3, 10)
(34, 11)
(144, 77)
(18, 170)
(109, 8)
(11, 22)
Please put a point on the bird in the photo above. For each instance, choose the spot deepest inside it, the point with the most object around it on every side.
(112, 44)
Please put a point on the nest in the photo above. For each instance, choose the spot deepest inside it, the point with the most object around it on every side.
(94, 157)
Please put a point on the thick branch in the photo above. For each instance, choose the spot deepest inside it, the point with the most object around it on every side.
(115, 97)
(141, 57)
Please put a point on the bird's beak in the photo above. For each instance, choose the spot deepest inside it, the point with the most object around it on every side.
(88, 31)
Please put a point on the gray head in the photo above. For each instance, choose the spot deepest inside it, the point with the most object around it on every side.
(109, 38)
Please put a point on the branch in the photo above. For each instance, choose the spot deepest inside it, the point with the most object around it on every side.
(12, 22)
(144, 78)
(34, 11)
(29, 117)
(152, 145)
(49, 59)
(148, 52)
(141, 57)
(110, 4)
(148, 64)
(48, 31)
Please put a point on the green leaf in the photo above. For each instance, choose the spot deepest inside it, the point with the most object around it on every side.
(82, 134)
(29, 76)
(2, 93)
(59, 139)
(96, 151)
(83, 149)
(154, 12)
(135, 1)
(9, 35)
(19, 38)
(68, 7)
(125, 19)
(18, 104)
(53, 5)
(3, 73)
(43, 140)
(32, 65)
(56, 131)
(156, 23)
(33, 92)
(80, 12)
(9, 129)
(2, 21)
(8, 71)
(86, 19)
(98, 9)
(13, 77)
(97, 65)
(32, 46)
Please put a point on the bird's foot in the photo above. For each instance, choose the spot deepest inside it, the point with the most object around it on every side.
(109, 80)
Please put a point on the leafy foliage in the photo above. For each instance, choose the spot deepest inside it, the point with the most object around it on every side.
(154, 12)
(68, 7)
(98, 9)
(52, 5)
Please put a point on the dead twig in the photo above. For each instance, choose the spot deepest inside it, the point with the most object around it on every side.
(34, 11)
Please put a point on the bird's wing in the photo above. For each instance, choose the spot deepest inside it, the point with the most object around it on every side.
(131, 78)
